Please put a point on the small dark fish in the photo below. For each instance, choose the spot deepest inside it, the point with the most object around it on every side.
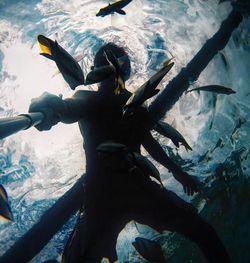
(99, 74)
(115, 7)
(214, 88)
(220, 144)
(5, 211)
(170, 132)
(148, 249)
(111, 147)
(238, 125)
(224, 60)
(67, 65)
(148, 89)
(147, 167)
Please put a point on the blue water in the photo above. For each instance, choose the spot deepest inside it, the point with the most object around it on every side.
(37, 168)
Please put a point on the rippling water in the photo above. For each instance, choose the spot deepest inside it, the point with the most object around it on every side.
(35, 166)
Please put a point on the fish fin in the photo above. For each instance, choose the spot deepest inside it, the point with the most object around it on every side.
(56, 73)
(47, 56)
(3, 218)
(57, 47)
(120, 11)
(3, 193)
(187, 146)
(158, 179)
(44, 44)
(78, 57)
(8, 216)
(105, 260)
(120, 86)
(167, 62)
(175, 142)
(233, 91)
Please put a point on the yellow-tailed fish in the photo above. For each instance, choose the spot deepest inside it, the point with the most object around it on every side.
(67, 65)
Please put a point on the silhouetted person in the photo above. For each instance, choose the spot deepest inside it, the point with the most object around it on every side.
(116, 194)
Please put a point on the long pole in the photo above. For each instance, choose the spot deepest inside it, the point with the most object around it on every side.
(11, 125)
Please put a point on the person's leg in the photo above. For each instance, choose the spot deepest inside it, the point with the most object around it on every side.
(72, 251)
(204, 235)
(164, 210)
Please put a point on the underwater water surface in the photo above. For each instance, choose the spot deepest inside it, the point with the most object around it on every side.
(36, 168)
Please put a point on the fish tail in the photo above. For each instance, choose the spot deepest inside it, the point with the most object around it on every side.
(44, 44)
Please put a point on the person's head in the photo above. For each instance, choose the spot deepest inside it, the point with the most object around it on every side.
(101, 60)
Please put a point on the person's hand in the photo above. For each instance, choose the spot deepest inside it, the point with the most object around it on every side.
(47, 104)
(189, 183)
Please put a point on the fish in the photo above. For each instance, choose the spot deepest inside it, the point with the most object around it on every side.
(215, 89)
(148, 89)
(67, 65)
(224, 60)
(149, 250)
(170, 132)
(147, 167)
(111, 147)
(99, 74)
(115, 7)
(5, 210)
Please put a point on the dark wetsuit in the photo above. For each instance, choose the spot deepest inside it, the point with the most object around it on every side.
(114, 197)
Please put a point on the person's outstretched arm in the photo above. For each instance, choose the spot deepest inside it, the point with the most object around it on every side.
(55, 109)
(155, 150)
